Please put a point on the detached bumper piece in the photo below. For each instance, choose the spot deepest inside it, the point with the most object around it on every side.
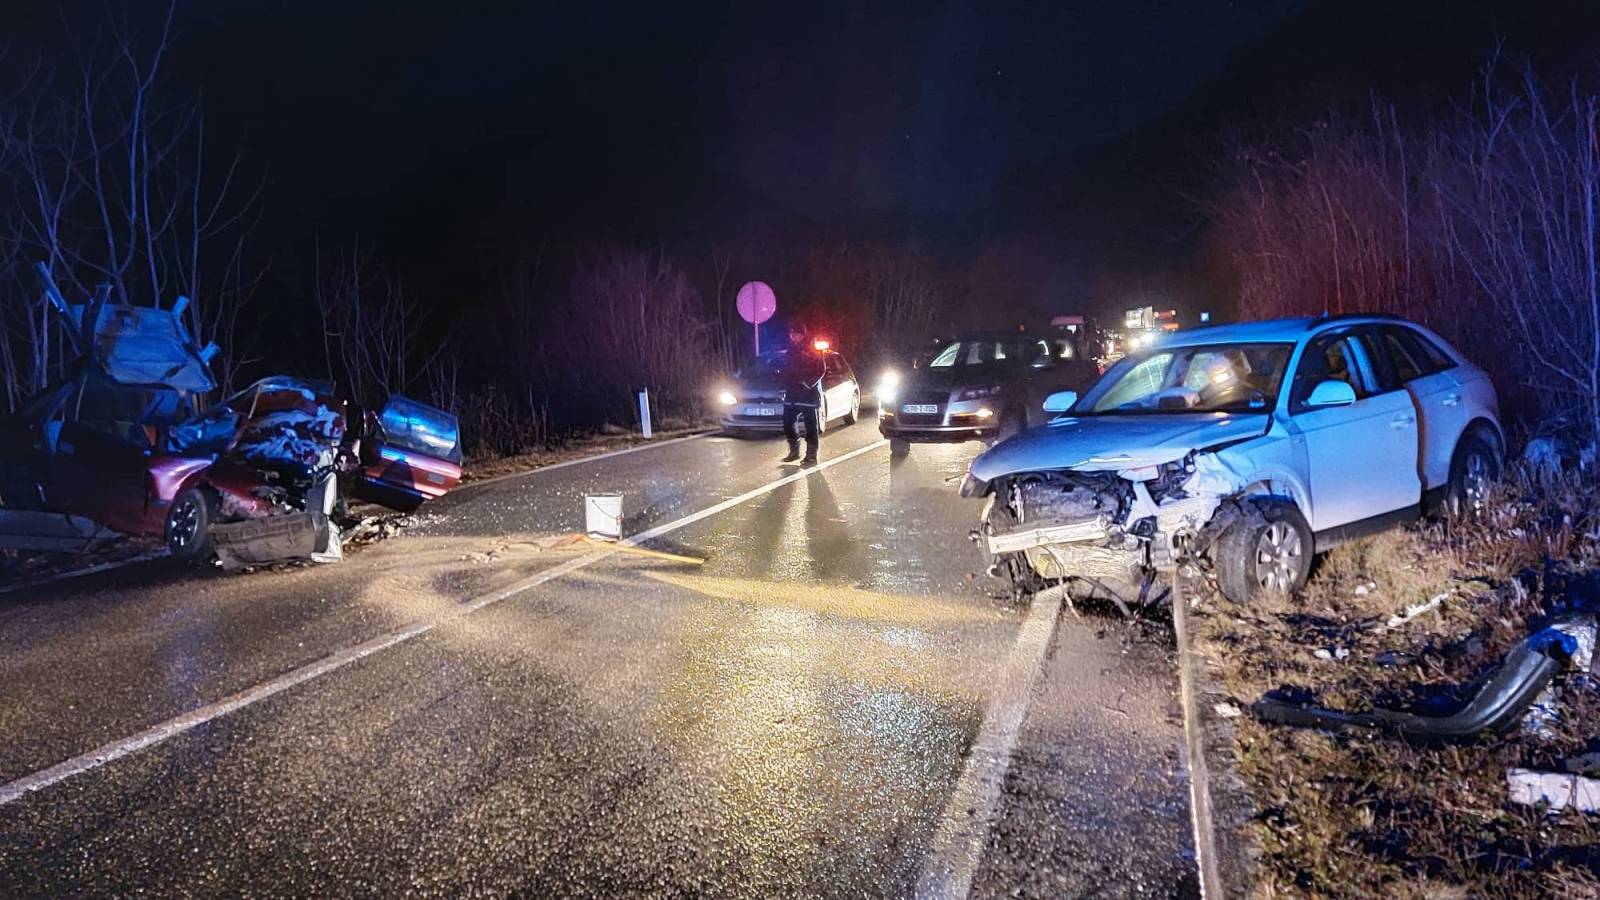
(305, 535)
(1497, 707)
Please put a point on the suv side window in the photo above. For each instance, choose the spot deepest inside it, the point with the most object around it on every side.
(1423, 354)
(1327, 358)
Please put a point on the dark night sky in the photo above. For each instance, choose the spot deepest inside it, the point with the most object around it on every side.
(371, 114)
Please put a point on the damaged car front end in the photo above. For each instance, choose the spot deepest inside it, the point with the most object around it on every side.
(1239, 451)
(288, 454)
(1107, 524)
(116, 446)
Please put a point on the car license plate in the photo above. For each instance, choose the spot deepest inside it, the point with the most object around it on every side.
(760, 410)
(920, 409)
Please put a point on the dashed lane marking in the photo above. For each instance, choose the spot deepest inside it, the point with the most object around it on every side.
(164, 731)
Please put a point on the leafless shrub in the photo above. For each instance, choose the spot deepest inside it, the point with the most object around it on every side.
(375, 338)
(1479, 221)
(105, 176)
(630, 321)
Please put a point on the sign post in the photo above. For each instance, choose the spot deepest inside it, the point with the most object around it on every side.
(756, 304)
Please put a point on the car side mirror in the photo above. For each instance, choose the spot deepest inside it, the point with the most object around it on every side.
(1331, 393)
(1060, 401)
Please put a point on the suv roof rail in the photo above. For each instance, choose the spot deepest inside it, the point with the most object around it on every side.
(1343, 317)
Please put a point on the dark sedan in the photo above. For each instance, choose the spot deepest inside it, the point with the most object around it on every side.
(980, 387)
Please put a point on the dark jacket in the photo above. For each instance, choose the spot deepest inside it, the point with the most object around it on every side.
(802, 369)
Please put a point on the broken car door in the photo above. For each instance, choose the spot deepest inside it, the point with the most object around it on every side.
(1430, 375)
(1361, 456)
(101, 455)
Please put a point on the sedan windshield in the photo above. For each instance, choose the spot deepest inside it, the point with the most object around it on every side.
(984, 352)
(1215, 378)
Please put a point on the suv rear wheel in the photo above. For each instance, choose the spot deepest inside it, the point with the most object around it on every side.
(1472, 472)
(1268, 549)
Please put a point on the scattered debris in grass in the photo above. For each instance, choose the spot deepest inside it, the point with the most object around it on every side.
(1353, 814)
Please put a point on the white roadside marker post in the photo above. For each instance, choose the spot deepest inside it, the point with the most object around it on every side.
(644, 412)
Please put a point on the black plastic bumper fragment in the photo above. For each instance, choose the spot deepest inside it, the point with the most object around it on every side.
(1498, 705)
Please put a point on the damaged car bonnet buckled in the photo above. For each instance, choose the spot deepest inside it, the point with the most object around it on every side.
(1239, 451)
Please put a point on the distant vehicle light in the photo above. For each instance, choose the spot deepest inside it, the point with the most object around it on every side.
(985, 412)
(821, 344)
(726, 398)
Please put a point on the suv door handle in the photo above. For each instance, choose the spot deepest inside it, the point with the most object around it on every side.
(1404, 420)
(1451, 399)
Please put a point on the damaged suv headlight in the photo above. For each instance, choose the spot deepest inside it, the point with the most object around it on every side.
(973, 486)
(1164, 480)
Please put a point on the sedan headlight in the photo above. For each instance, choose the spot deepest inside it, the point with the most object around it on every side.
(888, 387)
(726, 398)
(979, 393)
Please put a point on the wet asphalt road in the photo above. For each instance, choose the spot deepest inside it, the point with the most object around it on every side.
(789, 719)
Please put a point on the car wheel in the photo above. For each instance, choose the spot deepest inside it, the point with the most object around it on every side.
(822, 415)
(1268, 549)
(855, 409)
(189, 522)
(1473, 472)
(899, 447)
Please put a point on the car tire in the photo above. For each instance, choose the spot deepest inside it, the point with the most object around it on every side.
(855, 409)
(189, 521)
(1268, 548)
(1473, 469)
(899, 447)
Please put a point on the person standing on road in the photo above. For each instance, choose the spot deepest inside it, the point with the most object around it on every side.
(802, 386)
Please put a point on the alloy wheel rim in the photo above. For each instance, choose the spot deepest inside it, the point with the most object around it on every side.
(185, 521)
(1475, 482)
(1279, 554)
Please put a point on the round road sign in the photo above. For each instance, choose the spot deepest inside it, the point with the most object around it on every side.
(756, 302)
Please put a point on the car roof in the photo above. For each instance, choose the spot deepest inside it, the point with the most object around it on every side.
(1287, 330)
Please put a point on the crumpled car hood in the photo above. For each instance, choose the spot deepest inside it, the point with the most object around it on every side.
(1113, 443)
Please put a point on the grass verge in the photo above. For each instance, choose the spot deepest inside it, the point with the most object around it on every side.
(1359, 816)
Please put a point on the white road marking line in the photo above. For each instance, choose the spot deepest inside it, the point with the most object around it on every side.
(582, 460)
(194, 718)
(964, 829)
(468, 486)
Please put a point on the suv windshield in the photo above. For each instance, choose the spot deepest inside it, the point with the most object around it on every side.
(1214, 378)
(985, 352)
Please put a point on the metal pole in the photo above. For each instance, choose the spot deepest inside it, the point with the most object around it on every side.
(757, 327)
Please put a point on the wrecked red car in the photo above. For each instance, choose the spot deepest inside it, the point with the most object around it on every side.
(264, 475)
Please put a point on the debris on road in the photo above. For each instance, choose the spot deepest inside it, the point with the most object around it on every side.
(1226, 710)
(1554, 790)
(1412, 612)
